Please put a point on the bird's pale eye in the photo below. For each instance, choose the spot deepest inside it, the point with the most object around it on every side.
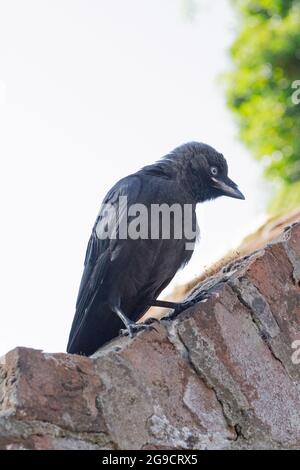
(214, 170)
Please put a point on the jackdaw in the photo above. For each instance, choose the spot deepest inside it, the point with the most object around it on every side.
(124, 273)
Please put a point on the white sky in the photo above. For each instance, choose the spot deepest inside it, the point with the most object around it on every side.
(91, 90)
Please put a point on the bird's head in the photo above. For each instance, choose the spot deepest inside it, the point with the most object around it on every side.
(205, 172)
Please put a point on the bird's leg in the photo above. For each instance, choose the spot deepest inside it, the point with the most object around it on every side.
(159, 303)
(163, 303)
(131, 327)
(179, 307)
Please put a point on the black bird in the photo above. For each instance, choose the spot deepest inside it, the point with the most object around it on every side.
(122, 276)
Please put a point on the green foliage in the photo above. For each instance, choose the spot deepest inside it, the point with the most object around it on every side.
(266, 58)
(286, 198)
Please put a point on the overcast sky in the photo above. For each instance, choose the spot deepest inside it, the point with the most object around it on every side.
(91, 90)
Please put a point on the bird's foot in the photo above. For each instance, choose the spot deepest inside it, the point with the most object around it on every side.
(133, 328)
(150, 320)
(182, 306)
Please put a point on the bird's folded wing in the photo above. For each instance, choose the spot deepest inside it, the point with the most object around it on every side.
(99, 249)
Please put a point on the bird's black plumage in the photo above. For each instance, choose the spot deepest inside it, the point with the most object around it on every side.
(125, 275)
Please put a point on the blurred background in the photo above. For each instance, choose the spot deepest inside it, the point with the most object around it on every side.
(92, 90)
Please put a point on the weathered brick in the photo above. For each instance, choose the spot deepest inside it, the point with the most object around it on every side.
(219, 376)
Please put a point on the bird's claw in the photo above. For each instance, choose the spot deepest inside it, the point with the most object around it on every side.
(150, 320)
(133, 328)
(181, 307)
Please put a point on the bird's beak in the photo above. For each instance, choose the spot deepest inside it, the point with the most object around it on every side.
(228, 188)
